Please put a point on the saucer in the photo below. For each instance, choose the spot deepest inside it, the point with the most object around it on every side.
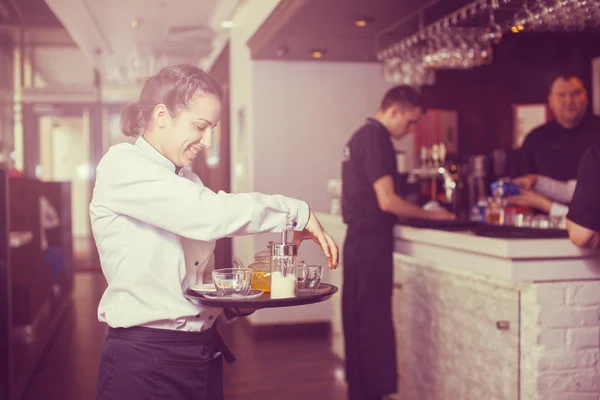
(253, 294)
(204, 287)
(318, 290)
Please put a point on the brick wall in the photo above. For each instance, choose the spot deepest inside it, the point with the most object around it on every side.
(561, 341)
(464, 336)
(457, 334)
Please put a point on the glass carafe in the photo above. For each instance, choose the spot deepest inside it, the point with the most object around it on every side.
(261, 270)
(284, 259)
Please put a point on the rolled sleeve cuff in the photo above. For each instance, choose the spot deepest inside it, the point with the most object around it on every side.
(298, 218)
(558, 210)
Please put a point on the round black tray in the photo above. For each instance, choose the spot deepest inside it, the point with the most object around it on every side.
(324, 292)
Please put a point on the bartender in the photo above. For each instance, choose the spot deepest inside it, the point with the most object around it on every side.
(370, 207)
(555, 148)
(155, 225)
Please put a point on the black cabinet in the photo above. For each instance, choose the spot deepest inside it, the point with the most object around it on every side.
(6, 368)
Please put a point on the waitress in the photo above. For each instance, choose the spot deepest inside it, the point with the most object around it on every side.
(155, 225)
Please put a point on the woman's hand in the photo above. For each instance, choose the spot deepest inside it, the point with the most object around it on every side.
(314, 231)
(526, 181)
(530, 198)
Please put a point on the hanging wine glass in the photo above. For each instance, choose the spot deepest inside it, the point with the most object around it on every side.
(522, 20)
(538, 11)
(551, 17)
(493, 31)
(571, 17)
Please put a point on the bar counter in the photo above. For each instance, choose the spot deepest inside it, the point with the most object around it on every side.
(488, 318)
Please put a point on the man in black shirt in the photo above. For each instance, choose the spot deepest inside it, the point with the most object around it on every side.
(370, 207)
(583, 219)
(555, 148)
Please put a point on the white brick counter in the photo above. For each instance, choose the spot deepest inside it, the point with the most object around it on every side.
(480, 318)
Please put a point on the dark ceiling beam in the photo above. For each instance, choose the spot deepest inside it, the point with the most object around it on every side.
(282, 14)
(5, 11)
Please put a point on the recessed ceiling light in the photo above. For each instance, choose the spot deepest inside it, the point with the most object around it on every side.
(318, 53)
(282, 51)
(226, 24)
(135, 23)
(362, 22)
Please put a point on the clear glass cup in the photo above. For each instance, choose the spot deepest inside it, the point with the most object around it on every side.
(232, 282)
(309, 276)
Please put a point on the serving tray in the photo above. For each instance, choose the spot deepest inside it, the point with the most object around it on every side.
(306, 296)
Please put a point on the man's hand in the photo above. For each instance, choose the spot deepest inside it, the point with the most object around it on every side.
(314, 231)
(530, 198)
(442, 215)
(526, 181)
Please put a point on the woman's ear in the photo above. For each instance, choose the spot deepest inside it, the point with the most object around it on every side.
(161, 116)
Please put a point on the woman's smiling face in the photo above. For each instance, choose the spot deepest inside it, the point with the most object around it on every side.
(182, 138)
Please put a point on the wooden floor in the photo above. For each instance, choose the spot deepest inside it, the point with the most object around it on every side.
(290, 369)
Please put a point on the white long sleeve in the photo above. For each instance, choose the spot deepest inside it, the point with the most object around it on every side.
(128, 183)
(156, 229)
(558, 210)
(555, 190)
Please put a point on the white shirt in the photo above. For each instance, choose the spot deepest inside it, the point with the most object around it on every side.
(156, 230)
(557, 191)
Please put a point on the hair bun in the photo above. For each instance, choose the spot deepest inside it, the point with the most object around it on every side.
(132, 120)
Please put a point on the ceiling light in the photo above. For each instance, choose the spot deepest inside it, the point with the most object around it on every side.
(226, 24)
(282, 51)
(362, 22)
(318, 53)
(135, 23)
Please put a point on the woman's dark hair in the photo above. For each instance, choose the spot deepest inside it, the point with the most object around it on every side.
(175, 87)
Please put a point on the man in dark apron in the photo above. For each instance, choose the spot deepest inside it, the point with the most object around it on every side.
(370, 206)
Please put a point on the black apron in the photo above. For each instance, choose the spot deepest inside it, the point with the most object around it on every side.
(369, 339)
(150, 364)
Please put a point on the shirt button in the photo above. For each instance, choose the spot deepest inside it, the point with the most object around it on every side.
(210, 318)
(198, 316)
(295, 223)
(196, 263)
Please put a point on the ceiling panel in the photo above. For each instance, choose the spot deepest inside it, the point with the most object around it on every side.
(329, 25)
(164, 32)
(63, 66)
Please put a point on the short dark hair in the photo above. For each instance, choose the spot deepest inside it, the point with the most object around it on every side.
(564, 75)
(404, 96)
(174, 86)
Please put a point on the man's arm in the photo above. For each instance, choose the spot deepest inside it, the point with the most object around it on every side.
(555, 189)
(390, 202)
